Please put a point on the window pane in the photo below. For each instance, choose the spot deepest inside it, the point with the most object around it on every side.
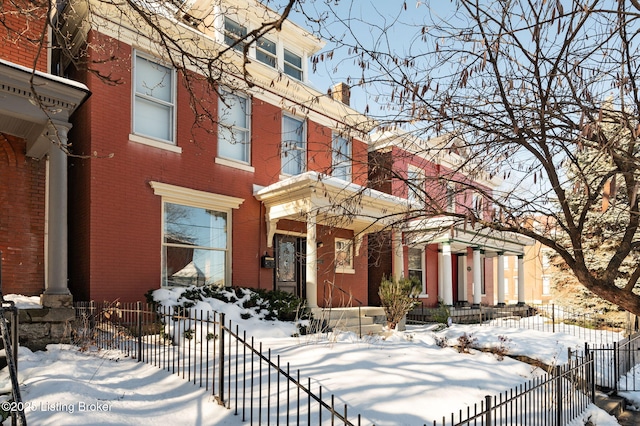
(195, 243)
(233, 32)
(341, 158)
(292, 65)
(153, 100)
(195, 226)
(293, 146)
(153, 80)
(153, 119)
(233, 132)
(266, 52)
(415, 259)
(186, 266)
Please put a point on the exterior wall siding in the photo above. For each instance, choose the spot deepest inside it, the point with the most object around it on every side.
(22, 222)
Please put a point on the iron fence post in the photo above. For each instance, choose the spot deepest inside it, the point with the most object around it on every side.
(487, 400)
(558, 377)
(221, 363)
(592, 377)
(553, 317)
(139, 327)
(616, 369)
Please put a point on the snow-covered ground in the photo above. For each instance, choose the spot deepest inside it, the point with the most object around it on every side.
(404, 379)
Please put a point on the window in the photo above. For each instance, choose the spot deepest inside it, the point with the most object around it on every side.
(506, 263)
(506, 286)
(196, 235)
(266, 52)
(416, 267)
(515, 285)
(344, 256)
(546, 260)
(451, 198)
(195, 246)
(341, 167)
(294, 146)
(153, 106)
(292, 64)
(546, 285)
(233, 33)
(415, 186)
(478, 204)
(234, 136)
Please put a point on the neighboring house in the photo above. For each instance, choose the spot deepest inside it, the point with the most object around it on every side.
(455, 262)
(35, 111)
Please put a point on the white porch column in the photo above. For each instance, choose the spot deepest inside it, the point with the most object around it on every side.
(447, 283)
(500, 278)
(477, 277)
(440, 275)
(56, 291)
(397, 259)
(312, 261)
(463, 293)
(521, 279)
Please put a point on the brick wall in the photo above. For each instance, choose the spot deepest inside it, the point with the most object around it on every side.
(22, 220)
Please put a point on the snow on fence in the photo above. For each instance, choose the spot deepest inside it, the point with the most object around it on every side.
(202, 348)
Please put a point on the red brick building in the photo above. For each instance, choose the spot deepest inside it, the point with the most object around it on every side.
(453, 259)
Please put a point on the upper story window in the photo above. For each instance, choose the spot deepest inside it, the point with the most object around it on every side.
(478, 204)
(294, 146)
(341, 157)
(233, 32)
(154, 99)
(266, 52)
(292, 65)
(234, 134)
(451, 198)
(415, 186)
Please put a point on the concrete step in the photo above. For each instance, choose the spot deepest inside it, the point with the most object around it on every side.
(365, 330)
(365, 320)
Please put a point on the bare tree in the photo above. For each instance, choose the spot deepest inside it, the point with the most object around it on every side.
(521, 89)
(72, 32)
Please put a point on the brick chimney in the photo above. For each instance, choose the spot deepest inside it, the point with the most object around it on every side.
(341, 92)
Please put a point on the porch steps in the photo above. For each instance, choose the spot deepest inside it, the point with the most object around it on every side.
(367, 320)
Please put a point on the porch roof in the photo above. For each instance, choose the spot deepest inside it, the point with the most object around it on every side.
(32, 100)
(443, 229)
(334, 202)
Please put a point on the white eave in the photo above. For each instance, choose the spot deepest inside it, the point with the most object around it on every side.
(27, 109)
(443, 229)
(333, 201)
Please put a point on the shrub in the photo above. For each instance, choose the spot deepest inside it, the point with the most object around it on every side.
(466, 342)
(398, 297)
(441, 314)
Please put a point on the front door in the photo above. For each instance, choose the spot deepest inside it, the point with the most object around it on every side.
(290, 265)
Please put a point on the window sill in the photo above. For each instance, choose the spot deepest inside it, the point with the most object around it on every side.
(235, 164)
(423, 296)
(345, 271)
(154, 143)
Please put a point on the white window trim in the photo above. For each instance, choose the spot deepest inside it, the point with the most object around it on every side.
(232, 161)
(284, 175)
(343, 270)
(334, 136)
(423, 265)
(302, 63)
(150, 140)
(422, 177)
(235, 164)
(144, 140)
(199, 199)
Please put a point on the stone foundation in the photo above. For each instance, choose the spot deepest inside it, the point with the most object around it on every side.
(38, 328)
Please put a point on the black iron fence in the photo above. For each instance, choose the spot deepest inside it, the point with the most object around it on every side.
(553, 399)
(542, 317)
(203, 348)
(616, 364)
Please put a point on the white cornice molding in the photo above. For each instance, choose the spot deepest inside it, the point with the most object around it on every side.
(194, 197)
